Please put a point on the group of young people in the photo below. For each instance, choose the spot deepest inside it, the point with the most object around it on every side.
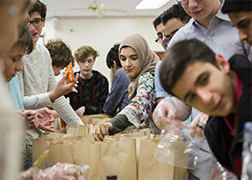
(199, 69)
(195, 72)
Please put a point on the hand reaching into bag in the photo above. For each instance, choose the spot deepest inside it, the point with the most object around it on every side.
(101, 130)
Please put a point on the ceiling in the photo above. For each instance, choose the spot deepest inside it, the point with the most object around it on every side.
(67, 8)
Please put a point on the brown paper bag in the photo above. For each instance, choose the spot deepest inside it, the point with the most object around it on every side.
(57, 124)
(88, 152)
(61, 152)
(87, 119)
(149, 168)
(52, 135)
(77, 131)
(119, 158)
(39, 146)
(95, 121)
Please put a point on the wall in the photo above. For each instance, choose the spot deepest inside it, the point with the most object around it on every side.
(101, 34)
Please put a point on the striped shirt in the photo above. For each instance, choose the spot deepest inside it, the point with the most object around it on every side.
(37, 78)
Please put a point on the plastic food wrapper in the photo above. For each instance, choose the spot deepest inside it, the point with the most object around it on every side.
(220, 173)
(61, 171)
(175, 146)
(69, 69)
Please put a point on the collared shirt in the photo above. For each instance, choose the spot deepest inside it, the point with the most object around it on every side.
(159, 91)
(223, 39)
(118, 96)
(220, 36)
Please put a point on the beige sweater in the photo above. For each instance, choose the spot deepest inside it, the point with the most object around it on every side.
(37, 78)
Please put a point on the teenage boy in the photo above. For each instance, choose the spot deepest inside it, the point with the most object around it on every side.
(172, 19)
(13, 64)
(93, 86)
(240, 13)
(213, 28)
(222, 89)
(159, 27)
(118, 96)
(60, 53)
(37, 78)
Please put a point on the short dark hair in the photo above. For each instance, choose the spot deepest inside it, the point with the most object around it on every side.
(176, 11)
(25, 38)
(60, 53)
(234, 6)
(157, 21)
(38, 7)
(113, 55)
(175, 63)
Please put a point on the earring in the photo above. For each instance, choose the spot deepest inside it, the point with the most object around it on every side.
(12, 10)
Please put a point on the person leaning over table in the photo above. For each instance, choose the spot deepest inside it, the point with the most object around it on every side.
(139, 63)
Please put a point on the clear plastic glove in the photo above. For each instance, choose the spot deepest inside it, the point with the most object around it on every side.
(101, 130)
(57, 172)
(169, 109)
(198, 125)
(63, 88)
(80, 111)
(45, 119)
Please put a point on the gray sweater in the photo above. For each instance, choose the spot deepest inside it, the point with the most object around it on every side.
(37, 78)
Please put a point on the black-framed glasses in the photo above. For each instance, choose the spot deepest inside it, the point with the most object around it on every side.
(160, 37)
(169, 37)
(36, 22)
(186, 1)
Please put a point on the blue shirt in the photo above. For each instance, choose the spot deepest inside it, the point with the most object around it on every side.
(118, 96)
(15, 93)
(159, 91)
(220, 36)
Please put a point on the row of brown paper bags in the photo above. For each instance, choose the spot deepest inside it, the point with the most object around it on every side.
(128, 156)
(86, 119)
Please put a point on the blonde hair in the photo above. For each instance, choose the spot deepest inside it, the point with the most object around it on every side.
(84, 52)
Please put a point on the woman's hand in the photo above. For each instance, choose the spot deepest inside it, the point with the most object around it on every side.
(80, 111)
(101, 130)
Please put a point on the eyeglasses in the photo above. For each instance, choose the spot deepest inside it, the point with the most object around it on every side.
(36, 22)
(169, 37)
(186, 1)
(160, 37)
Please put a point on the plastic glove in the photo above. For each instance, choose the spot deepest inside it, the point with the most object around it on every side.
(45, 115)
(101, 129)
(169, 109)
(45, 119)
(198, 125)
(59, 171)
